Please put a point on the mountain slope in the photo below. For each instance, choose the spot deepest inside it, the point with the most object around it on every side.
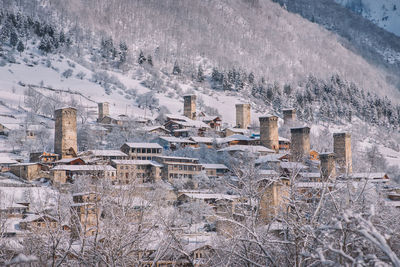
(257, 36)
(384, 13)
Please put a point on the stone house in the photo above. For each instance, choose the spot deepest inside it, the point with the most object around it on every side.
(142, 151)
(137, 170)
(179, 167)
(28, 171)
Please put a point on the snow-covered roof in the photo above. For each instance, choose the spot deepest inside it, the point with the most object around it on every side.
(368, 175)
(107, 153)
(283, 139)
(137, 162)
(270, 158)
(172, 139)
(268, 172)
(200, 139)
(143, 145)
(67, 160)
(83, 168)
(7, 160)
(177, 158)
(214, 166)
(152, 128)
(245, 148)
(12, 126)
(391, 203)
(210, 196)
(238, 137)
(209, 118)
(237, 130)
(293, 165)
(191, 123)
(310, 174)
(313, 184)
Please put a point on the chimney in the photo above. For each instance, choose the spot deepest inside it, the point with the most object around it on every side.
(243, 116)
(342, 150)
(189, 106)
(289, 116)
(269, 132)
(328, 166)
(300, 143)
(104, 110)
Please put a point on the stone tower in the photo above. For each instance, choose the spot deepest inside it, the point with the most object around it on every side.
(289, 115)
(65, 139)
(104, 110)
(243, 116)
(342, 150)
(300, 143)
(189, 106)
(328, 166)
(269, 132)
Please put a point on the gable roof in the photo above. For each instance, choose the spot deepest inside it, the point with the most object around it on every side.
(143, 145)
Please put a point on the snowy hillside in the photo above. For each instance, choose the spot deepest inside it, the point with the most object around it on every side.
(255, 36)
(384, 13)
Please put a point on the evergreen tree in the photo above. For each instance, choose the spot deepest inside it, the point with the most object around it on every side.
(150, 60)
(200, 74)
(123, 52)
(46, 44)
(141, 58)
(20, 47)
(251, 78)
(13, 39)
(176, 70)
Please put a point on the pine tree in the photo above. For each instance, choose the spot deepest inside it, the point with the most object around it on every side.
(150, 60)
(13, 39)
(141, 58)
(176, 70)
(251, 78)
(200, 74)
(20, 47)
(123, 52)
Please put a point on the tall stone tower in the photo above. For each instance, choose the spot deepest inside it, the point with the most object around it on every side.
(269, 132)
(104, 110)
(328, 166)
(189, 106)
(243, 116)
(300, 143)
(65, 140)
(342, 150)
(289, 115)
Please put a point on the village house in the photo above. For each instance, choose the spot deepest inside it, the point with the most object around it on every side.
(215, 170)
(213, 121)
(85, 214)
(159, 129)
(34, 222)
(29, 171)
(103, 156)
(43, 157)
(180, 124)
(70, 161)
(5, 163)
(6, 128)
(63, 173)
(284, 143)
(254, 150)
(173, 143)
(142, 151)
(220, 203)
(141, 171)
(232, 131)
(179, 167)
